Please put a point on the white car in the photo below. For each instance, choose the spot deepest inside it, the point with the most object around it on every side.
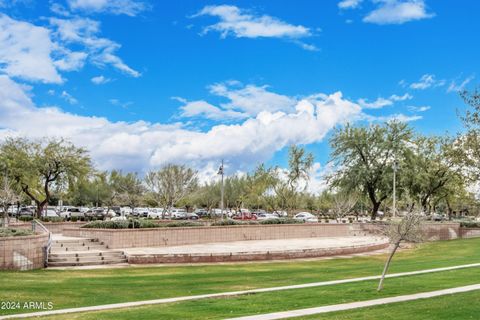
(126, 210)
(140, 212)
(50, 212)
(305, 217)
(156, 213)
(178, 213)
(266, 216)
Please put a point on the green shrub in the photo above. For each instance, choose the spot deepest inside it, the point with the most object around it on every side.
(228, 222)
(25, 218)
(8, 232)
(51, 219)
(470, 224)
(182, 224)
(138, 224)
(280, 221)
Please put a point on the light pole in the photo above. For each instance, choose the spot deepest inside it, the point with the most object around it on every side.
(395, 167)
(221, 172)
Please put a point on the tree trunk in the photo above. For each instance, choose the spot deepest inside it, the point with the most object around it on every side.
(376, 206)
(387, 265)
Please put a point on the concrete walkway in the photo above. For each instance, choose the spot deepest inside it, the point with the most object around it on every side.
(229, 294)
(360, 304)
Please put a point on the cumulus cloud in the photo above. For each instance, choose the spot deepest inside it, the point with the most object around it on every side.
(25, 51)
(141, 145)
(127, 7)
(241, 23)
(427, 81)
(398, 12)
(243, 101)
(203, 109)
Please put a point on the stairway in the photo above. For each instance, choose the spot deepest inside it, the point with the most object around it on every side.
(82, 252)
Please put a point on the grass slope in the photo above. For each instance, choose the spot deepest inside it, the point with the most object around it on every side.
(75, 288)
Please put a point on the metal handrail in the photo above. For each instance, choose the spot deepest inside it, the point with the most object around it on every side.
(46, 249)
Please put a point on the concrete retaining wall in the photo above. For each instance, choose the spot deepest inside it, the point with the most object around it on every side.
(23, 253)
(53, 227)
(470, 232)
(159, 237)
(259, 256)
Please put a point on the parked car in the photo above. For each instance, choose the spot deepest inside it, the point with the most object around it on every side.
(156, 213)
(72, 212)
(191, 216)
(126, 210)
(438, 217)
(95, 213)
(266, 216)
(178, 213)
(50, 212)
(26, 211)
(140, 212)
(201, 212)
(244, 214)
(305, 217)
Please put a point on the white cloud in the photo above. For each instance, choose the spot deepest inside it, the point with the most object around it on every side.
(25, 51)
(83, 31)
(100, 80)
(201, 108)
(127, 7)
(383, 102)
(397, 117)
(406, 96)
(141, 145)
(39, 53)
(241, 23)
(454, 87)
(68, 97)
(427, 81)
(349, 4)
(398, 12)
(252, 99)
(419, 109)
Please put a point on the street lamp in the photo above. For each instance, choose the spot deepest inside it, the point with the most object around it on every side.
(221, 172)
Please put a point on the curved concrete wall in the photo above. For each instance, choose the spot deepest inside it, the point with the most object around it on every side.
(159, 237)
(23, 253)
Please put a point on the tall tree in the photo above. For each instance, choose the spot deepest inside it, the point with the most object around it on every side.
(288, 183)
(364, 157)
(170, 184)
(431, 167)
(39, 167)
(470, 140)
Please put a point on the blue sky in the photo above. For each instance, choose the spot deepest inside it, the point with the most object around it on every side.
(140, 83)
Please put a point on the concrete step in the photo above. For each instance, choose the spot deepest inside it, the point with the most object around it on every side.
(54, 250)
(85, 254)
(85, 263)
(80, 240)
(99, 259)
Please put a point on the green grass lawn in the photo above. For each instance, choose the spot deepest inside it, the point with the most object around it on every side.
(289, 299)
(75, 288)
(460, 306)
